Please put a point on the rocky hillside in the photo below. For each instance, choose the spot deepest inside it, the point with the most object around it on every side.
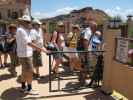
(78, 16)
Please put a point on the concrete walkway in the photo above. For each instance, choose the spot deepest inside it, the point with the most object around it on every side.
(9, 88)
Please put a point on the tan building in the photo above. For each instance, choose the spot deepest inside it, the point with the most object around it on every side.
(12, 9)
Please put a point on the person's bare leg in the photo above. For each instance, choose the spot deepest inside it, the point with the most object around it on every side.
(0, 59)
(23, 80)
(56, 65)
(29, 77)
(37, 70)
(5, 58)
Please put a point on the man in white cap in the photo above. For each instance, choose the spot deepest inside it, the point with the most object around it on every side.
(89, 28)
(37, 38)
(24, 52)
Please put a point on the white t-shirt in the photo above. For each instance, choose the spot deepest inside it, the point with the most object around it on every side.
(23, 38)
(87, 35)
(37, 36)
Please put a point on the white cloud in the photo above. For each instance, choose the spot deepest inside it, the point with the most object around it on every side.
(64, 10)
(40, 15)
(117, 11)
(117, 8)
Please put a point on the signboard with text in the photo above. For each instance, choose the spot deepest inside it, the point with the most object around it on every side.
(122, 50)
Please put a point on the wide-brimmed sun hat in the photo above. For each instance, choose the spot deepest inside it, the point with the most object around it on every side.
(36, 21)
(60, 23)
(12, 26)
(76, 26)
(98, 33)
(25, 18)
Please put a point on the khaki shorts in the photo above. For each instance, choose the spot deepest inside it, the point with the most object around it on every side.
(27, 64)
(37, 59)
(70, 55)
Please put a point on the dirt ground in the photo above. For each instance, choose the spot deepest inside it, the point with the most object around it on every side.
(9, 88)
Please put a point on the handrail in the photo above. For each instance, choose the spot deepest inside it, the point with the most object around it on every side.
(53, 52)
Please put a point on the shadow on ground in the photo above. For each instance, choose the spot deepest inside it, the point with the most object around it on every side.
(89, 96)
(12, 94)
(73, 87)
(43, 79)
(98, 96)
(5, 77)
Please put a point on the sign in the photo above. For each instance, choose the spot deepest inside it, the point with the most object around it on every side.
(122, 50)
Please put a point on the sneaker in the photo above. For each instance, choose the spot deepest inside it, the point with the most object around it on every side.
(60, 70)
(23, 90)
(36, 76)
(5, 65)
(87, 82)
(32, 92)
(2, 66)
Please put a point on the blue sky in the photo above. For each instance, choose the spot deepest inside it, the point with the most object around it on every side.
(50, 8)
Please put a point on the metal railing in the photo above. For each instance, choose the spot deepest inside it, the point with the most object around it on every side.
(95, 53)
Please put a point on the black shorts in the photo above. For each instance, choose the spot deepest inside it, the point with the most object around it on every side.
(6, 48)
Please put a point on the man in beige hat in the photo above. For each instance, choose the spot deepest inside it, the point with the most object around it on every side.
(24, 52)
(71, 43)
(12, 48)
(37, 37)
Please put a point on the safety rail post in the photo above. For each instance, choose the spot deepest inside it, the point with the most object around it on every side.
(50, 75)
(50, 65)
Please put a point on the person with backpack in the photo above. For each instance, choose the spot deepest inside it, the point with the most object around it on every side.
(12, 46)
(85, 44)
(71, 46)
(58, 40)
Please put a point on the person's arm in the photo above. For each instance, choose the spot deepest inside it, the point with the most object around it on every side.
(28, 41)
(86, 44)
(54, 37)
(33, 45)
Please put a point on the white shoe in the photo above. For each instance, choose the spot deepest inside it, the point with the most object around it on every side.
(23, 90)
(87, 82)
(60, 70)
(32, 92)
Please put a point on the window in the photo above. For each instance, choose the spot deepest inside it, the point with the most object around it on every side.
(9, 13)
(14, 15)
(21, 12)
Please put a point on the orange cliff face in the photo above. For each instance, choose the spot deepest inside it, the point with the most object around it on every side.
(77, 16)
